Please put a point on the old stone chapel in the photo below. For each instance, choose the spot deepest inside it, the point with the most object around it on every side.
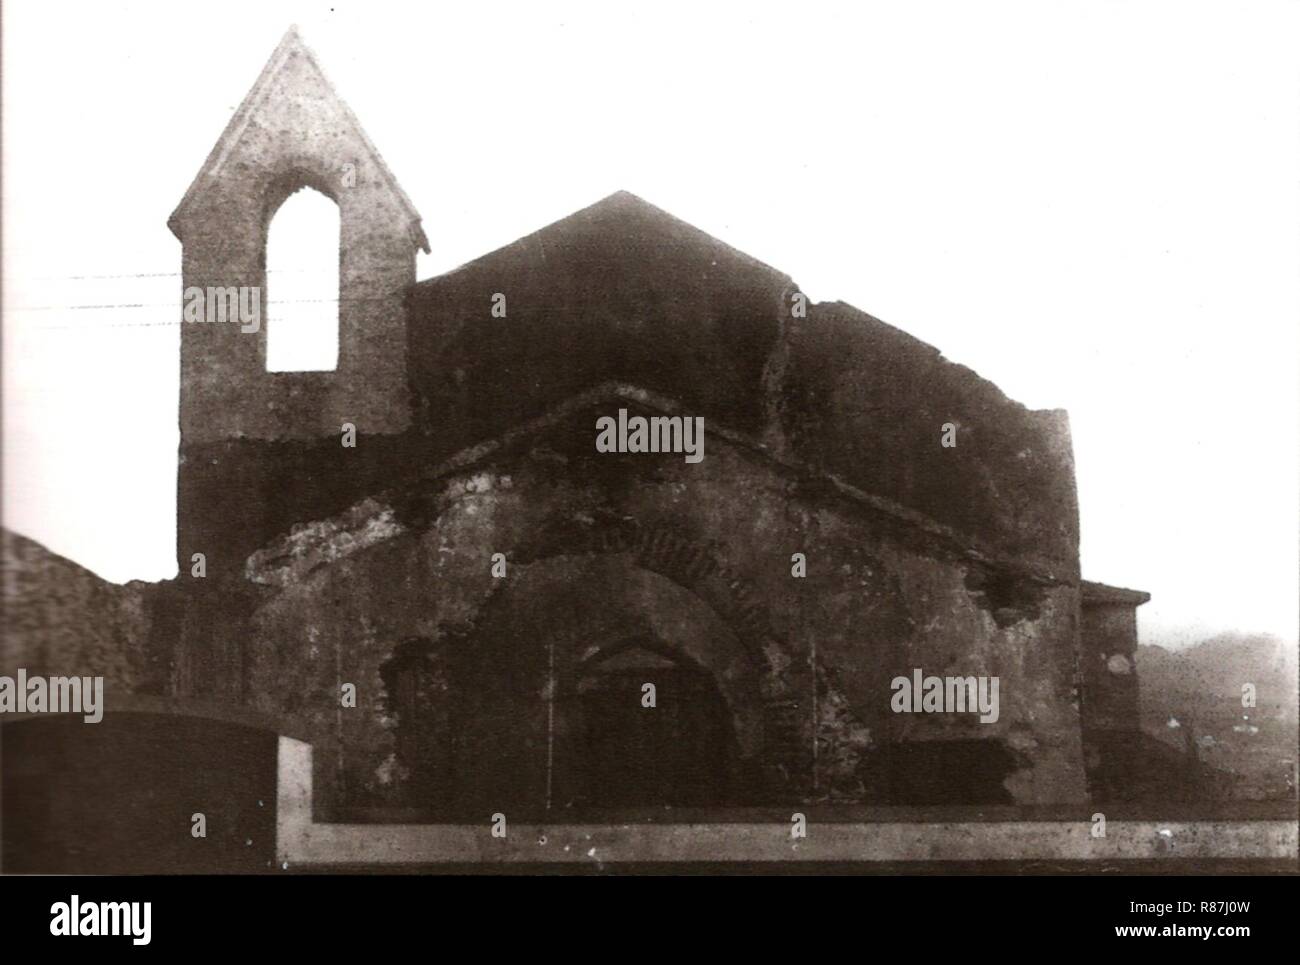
(494, 594)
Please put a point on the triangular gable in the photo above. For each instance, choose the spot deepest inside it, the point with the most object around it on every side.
(290, 45)
(621, 219)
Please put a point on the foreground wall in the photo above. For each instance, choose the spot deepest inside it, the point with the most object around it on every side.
(62, 619)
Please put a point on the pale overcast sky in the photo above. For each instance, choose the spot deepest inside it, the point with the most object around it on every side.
(1096, 205)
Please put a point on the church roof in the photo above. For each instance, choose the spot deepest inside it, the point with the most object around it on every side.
(623, 293)
(1095, 593)
(621, 216)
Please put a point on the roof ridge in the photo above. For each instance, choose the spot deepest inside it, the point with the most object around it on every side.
(607, 200)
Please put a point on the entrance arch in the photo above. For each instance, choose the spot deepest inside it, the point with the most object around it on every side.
(546, 693)
(650, 729)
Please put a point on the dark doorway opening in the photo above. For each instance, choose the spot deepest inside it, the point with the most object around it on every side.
(674, 753)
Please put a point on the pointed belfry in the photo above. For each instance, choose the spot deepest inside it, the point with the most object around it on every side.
(291, 132)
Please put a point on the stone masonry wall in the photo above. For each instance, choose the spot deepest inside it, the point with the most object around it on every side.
(880, 599)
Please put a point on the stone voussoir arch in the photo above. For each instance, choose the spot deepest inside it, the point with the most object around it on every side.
(690, 563)
(693, 565)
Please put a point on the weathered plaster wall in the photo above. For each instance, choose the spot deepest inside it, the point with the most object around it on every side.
(624, 292)
(1122, 762)
(867, 402)
(235, 496)
(1108, 648)
(880, 599)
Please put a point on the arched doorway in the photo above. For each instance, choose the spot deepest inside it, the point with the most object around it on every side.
(651, 730)
(546, 697)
